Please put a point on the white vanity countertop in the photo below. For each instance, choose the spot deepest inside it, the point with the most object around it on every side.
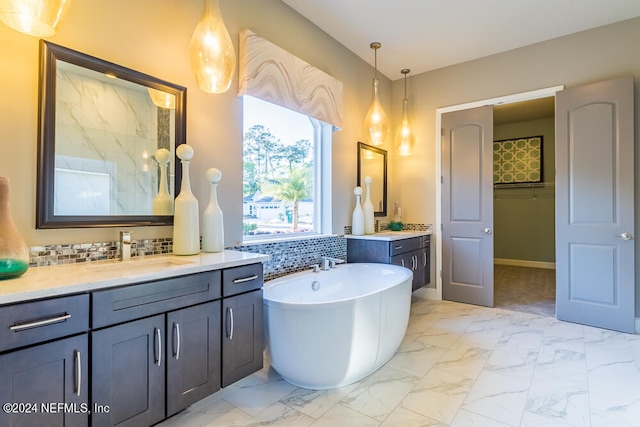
(390, 236)
(44, 282)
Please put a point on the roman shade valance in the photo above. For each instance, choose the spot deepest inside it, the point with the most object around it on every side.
(270, 73)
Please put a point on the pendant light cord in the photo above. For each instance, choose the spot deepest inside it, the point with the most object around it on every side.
(375, 46)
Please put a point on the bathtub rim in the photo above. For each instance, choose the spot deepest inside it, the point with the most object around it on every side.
(404, 275)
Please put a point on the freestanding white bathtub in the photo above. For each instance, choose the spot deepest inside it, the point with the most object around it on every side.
(331, 328)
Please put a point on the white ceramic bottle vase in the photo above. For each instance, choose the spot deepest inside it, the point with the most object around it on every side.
(163, 202)
(186, 225)
(367, 207)
(357, 219)
(212, 224)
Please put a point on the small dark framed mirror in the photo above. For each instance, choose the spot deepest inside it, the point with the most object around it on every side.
(372, 162)
(101, 126)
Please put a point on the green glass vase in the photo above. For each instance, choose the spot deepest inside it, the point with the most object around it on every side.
(14, 254)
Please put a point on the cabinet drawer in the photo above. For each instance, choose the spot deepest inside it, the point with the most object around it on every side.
(32, 322)
(405, 245)
(146, 299)
(237, 280)
(426, 241)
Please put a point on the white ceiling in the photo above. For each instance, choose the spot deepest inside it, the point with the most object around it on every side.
(425, 35)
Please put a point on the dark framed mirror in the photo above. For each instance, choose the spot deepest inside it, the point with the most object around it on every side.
(372, 162)
(100, 127)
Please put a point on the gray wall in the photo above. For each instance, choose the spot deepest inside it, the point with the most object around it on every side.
(587, 57)
(524, 218)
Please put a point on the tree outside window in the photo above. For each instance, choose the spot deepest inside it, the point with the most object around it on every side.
(278, 170)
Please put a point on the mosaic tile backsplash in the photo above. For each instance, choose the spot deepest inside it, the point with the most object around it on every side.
(287, 257)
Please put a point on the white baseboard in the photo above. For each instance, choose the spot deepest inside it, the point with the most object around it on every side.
(525, 263)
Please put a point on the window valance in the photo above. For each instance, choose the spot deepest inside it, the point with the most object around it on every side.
(270, 73)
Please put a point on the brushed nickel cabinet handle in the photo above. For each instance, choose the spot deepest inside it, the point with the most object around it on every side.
(78, 372)
(230, 317)
(158, 347)
(43, 322)
(246, 279)
(176, 340)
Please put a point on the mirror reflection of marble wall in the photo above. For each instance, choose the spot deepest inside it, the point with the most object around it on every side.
(107, 132)
(372, 164)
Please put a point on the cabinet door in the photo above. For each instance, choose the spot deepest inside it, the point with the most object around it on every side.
(420, 275)
(242, 340)
(50, 380)
(413, 261)
(128, 373)
(193, 355)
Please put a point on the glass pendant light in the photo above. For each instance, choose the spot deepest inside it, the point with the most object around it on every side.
(213, 60)
(34, 17)
(376, 122)
(405, 139)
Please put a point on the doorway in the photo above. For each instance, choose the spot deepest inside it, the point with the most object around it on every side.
(524, 206)
(494, 102)
(594, 202)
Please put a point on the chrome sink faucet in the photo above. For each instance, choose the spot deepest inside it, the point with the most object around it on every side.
(125, 245)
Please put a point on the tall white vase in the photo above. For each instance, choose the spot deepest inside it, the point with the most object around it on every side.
(212, 223)
(357, 218)
(186, 225)
(163, 202)
(367, 207)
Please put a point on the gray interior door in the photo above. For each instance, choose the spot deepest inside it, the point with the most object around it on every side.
(467, 206)
(595, 205)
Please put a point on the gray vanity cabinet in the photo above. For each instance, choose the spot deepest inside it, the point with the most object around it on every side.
(44, 362)
(412, 253)
(128, 373)
(193, 355)
(147, 369)
(242, 339)
(38, 380)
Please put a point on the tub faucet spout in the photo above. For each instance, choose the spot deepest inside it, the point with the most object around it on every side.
(327, 262)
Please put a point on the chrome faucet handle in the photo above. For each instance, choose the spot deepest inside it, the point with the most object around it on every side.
(125, 245)
(316, 268)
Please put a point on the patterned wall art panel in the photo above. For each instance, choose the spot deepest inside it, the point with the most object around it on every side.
(272, 74)
(517, 160)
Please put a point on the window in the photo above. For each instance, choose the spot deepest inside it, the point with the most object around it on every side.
(283, 171)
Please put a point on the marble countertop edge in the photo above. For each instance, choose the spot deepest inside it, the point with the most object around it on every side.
(67, 279)
(390, 236)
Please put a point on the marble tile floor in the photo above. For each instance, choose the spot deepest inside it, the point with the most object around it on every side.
(459, 365)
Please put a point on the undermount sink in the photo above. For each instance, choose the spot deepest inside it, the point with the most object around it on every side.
(137, 265)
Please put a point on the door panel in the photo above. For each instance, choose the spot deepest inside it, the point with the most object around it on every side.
(466, 268)
(467, 206)
(595, 254)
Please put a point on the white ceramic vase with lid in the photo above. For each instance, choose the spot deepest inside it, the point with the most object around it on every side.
(186, 224)
(357, 218)
(367, 207)
(212, 220)
(163, 202)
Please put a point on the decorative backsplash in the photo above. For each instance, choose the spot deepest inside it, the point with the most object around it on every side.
(41, 256)
(287, 256)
